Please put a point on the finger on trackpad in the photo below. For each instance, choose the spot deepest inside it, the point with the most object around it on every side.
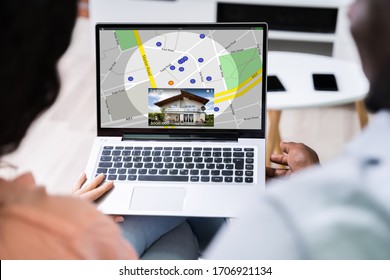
(157, 199)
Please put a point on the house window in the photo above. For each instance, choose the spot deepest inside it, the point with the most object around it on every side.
(189, 118)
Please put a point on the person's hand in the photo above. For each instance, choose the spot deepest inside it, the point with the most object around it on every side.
(296, 156)
(94, 190)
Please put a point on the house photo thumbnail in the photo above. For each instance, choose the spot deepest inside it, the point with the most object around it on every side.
(181, 107)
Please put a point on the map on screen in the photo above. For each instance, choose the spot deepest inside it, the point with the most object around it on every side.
(181, 78)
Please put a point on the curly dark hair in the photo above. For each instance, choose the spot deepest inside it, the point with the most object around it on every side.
(34, 35)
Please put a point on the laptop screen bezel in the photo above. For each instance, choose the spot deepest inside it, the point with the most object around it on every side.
(241, 133)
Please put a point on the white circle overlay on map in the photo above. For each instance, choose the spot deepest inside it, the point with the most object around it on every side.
(175, 60)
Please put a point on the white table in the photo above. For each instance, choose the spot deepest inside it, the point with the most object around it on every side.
(295, 71)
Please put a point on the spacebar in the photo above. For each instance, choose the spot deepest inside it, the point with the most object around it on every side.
(163, 178)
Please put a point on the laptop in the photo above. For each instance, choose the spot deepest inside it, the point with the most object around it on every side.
(181, 117)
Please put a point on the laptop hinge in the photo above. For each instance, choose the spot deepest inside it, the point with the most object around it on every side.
(182, 137)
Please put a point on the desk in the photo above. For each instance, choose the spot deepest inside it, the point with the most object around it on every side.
(295, 72)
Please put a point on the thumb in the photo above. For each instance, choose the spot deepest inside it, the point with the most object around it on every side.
(118, 219)
(286, 146)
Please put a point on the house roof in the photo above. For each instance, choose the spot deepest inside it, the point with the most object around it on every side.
(180, 97)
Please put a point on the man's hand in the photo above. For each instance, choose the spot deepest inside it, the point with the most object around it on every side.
(296, 156)
(93, 190)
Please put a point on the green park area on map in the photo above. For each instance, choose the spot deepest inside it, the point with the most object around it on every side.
(126, 39)
(239, 66)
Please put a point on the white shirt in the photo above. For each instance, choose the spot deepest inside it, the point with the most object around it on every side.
(338, 211)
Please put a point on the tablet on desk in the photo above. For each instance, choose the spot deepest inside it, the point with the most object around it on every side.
(325, 82)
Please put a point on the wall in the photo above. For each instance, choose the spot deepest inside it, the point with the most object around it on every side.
(339, 45)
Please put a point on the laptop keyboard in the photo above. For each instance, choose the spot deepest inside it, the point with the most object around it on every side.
(177, 164)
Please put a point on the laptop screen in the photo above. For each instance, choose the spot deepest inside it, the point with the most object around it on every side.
(181, 77)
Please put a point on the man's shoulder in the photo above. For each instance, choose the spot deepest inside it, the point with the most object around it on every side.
(337, 209)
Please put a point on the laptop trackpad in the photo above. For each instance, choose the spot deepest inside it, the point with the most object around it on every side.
(157, 199)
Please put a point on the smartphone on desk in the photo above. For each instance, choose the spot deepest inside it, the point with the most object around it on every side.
(325, 82)
(274, 84)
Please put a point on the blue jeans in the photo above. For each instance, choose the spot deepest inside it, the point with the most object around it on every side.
(143, 231)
